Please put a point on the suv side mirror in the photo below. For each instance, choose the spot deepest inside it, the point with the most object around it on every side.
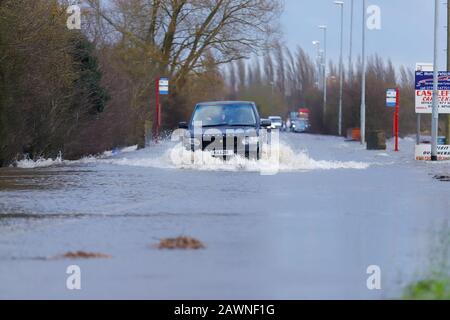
(183, 125)
(266, 123)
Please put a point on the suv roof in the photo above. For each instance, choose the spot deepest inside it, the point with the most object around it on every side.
(215, 103)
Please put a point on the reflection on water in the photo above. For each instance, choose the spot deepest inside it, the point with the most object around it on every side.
(37, 179)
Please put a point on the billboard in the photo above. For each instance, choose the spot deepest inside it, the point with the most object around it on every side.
(423, 152)
(424, 91)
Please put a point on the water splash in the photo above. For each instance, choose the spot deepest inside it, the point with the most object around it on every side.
(28, 163)
(170, 156)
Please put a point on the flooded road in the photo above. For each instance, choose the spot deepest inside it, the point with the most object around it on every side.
(308, 232)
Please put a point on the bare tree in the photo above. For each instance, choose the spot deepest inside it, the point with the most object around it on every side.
(233, 80)
(242, 73)
(281, 71)
(176, 34)
(269, 73)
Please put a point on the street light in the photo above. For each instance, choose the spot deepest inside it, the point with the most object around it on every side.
(363, 82)
(447, 51)
(435, 113)
(324, 28)
(350, 56)
(316, 43)
(272, 83)
(341, 4)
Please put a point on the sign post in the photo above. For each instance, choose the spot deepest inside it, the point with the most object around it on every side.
(157, 109)
(162, 88)
(396, 120)
(425, 88)
(435, 95)
(393, 101)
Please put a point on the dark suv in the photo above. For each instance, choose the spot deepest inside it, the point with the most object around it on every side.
(225, 128)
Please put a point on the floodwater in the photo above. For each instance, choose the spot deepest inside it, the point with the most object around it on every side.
(310, 231)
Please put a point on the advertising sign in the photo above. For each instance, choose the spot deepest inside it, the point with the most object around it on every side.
(423, 152)
(424, 91)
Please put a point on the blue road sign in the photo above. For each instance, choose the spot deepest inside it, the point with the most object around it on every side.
(391, 98)
(164, 86)
(424, 80)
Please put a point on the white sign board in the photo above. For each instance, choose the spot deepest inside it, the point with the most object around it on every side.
(424, 90)
(391, 98)
(424, 66)
(423, 152)
(424, 101)
(164, 86)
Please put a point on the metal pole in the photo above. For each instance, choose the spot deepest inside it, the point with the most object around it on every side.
(448, 63)
(350, 57)
(341, 67)
(157, 110)
(435, 113)
(396, 118)
(325, 82)
(324, 28)
(318, 62)
(272, 98)
(363, 82)
(419, 120)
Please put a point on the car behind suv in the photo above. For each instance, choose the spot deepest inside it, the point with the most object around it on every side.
(277, 122)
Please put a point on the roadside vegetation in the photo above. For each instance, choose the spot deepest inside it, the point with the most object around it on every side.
(431, 289)
(437, 285)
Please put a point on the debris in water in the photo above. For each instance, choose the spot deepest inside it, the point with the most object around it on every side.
(83, 255)
(442, 178)
(184, 243)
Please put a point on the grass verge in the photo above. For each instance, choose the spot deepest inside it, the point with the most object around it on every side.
(430, 289)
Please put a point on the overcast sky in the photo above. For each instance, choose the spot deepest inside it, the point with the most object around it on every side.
(406, 35)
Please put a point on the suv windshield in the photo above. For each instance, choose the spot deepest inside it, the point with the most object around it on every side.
(225, 115)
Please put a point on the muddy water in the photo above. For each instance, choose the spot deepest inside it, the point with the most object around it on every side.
(309, 231)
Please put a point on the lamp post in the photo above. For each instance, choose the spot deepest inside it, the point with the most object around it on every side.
(272, 97)
(448, 63)
(341, 67)
(350, 56)
(435, 113)
(363, 82)
(316, 43)
(324, 28)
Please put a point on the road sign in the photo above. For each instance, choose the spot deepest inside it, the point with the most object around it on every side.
(424, 91)
(392, 101)
(423, 152)
(161, 88)
(164, 86)
(391, 98)
(424, 80)
(424, 66)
